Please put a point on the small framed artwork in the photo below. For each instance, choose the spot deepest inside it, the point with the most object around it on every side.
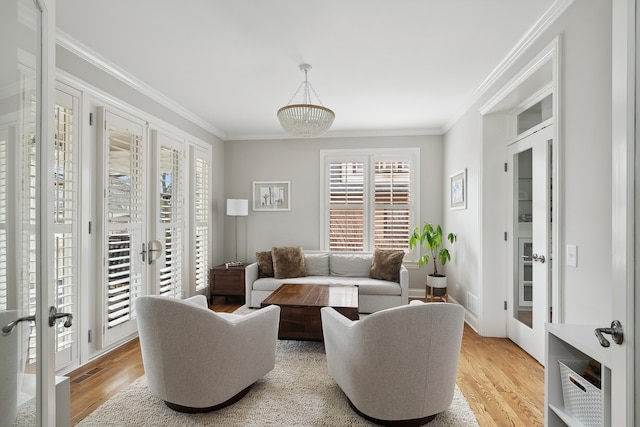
(271, 195)
(458, 189)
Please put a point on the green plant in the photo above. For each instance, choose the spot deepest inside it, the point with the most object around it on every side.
(430, 238)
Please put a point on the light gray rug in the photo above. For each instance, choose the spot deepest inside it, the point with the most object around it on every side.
(298, 392)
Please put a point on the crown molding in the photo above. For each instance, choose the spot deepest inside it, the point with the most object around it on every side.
(67, 42)
(340, 134)
(550, 16)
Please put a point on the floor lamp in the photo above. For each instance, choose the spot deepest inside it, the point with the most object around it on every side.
(236, 208)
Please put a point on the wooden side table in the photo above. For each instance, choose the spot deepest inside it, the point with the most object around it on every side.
(226, 281)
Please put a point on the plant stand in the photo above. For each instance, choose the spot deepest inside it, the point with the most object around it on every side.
(433, 294)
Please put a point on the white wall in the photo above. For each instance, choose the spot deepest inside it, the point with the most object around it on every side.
(585, 185)
(298, 161)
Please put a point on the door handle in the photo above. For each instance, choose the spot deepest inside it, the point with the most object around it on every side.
(539, 258)
(151, 248)
(8, 328)
(615, 331)
(54, 315)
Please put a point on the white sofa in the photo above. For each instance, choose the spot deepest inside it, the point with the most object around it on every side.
(333, 268)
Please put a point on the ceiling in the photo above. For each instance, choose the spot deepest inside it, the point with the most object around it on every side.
(386, 67)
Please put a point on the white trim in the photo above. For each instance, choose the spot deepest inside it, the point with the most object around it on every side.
(553, 12)
(75, 47)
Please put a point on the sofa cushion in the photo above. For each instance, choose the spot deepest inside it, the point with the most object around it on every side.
(366, 285)
(288, 261)
(386, 265)
(265, 264)
(317, 264)
(350, 265)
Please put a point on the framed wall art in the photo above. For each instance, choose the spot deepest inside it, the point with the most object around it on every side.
(458, 189)
(271, 195)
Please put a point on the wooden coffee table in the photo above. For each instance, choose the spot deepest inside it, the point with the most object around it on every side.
(300, 308)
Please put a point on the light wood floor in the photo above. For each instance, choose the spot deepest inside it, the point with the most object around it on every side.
(503, 385)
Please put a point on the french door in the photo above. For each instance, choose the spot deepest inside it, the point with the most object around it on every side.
(530, 264)
(166, 252)
(122, 222)
(27, 387)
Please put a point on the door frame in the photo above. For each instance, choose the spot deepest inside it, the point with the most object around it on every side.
(45, 295)
(624, 378)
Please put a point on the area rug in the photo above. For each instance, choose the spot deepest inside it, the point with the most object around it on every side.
(298, 392)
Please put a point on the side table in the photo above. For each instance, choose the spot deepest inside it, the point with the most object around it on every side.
(226, 281)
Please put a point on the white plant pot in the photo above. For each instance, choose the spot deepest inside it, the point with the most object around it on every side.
(437, 282)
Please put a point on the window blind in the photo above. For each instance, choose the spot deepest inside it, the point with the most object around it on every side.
(201, 229)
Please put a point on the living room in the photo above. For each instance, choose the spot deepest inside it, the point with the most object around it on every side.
(580, 67)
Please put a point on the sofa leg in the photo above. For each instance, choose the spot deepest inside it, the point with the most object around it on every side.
(191, 410)
(394, 423)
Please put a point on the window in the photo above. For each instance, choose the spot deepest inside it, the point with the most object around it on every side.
(369, 200)
(200, 258)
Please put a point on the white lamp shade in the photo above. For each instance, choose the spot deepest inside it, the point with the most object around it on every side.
(237, 207)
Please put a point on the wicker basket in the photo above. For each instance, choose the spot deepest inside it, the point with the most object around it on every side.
(582, 400)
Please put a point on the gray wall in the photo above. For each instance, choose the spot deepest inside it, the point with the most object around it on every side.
(298, 161)
(585, 186)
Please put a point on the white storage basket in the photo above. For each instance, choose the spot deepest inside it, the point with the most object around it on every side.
(582, 400)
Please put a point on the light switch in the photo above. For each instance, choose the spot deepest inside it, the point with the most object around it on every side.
(572, 255)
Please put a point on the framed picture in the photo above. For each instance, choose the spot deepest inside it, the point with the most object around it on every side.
(458, 189)
(271, 195)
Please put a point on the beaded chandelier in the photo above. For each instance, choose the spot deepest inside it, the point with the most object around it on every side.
(306, 119)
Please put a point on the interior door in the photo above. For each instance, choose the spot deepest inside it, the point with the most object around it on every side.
(530, 247)
(27, 391)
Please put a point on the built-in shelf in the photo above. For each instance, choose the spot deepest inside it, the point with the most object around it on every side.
(572, 342)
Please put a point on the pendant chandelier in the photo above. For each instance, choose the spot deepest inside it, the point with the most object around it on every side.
(306, 119)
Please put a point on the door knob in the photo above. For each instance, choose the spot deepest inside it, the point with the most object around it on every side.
(615, 331)
(539, 258)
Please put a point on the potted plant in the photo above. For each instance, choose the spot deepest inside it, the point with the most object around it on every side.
(430, 237)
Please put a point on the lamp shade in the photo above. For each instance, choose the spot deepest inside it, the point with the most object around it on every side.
(237, 207)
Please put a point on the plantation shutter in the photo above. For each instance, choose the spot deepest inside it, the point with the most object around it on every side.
(170, 227)
(4, 297)
(346, 206)
(125, 229)
(392, 212)
(201, 223)
(64, 235)
(369, 199)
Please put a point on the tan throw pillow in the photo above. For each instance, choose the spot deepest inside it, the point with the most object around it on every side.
(265, 264)
(386, 265)
(288, 262)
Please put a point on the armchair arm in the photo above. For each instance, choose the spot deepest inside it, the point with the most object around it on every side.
(199, 300)
(250, 276)
(404, 284)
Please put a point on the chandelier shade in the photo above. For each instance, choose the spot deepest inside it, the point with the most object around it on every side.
(305, 119)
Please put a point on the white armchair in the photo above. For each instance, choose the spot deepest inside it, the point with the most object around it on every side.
(399, 365)
(197, 360)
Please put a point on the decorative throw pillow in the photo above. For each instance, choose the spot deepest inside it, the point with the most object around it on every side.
(265, 264)
(288, 262)
(386, 265)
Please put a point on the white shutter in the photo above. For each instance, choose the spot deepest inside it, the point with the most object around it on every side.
(201, 226)
(124, 210)
(65, 227)
(4, 297)
(392, 213)
(369, 199)
(346, 206)
(171, 216)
